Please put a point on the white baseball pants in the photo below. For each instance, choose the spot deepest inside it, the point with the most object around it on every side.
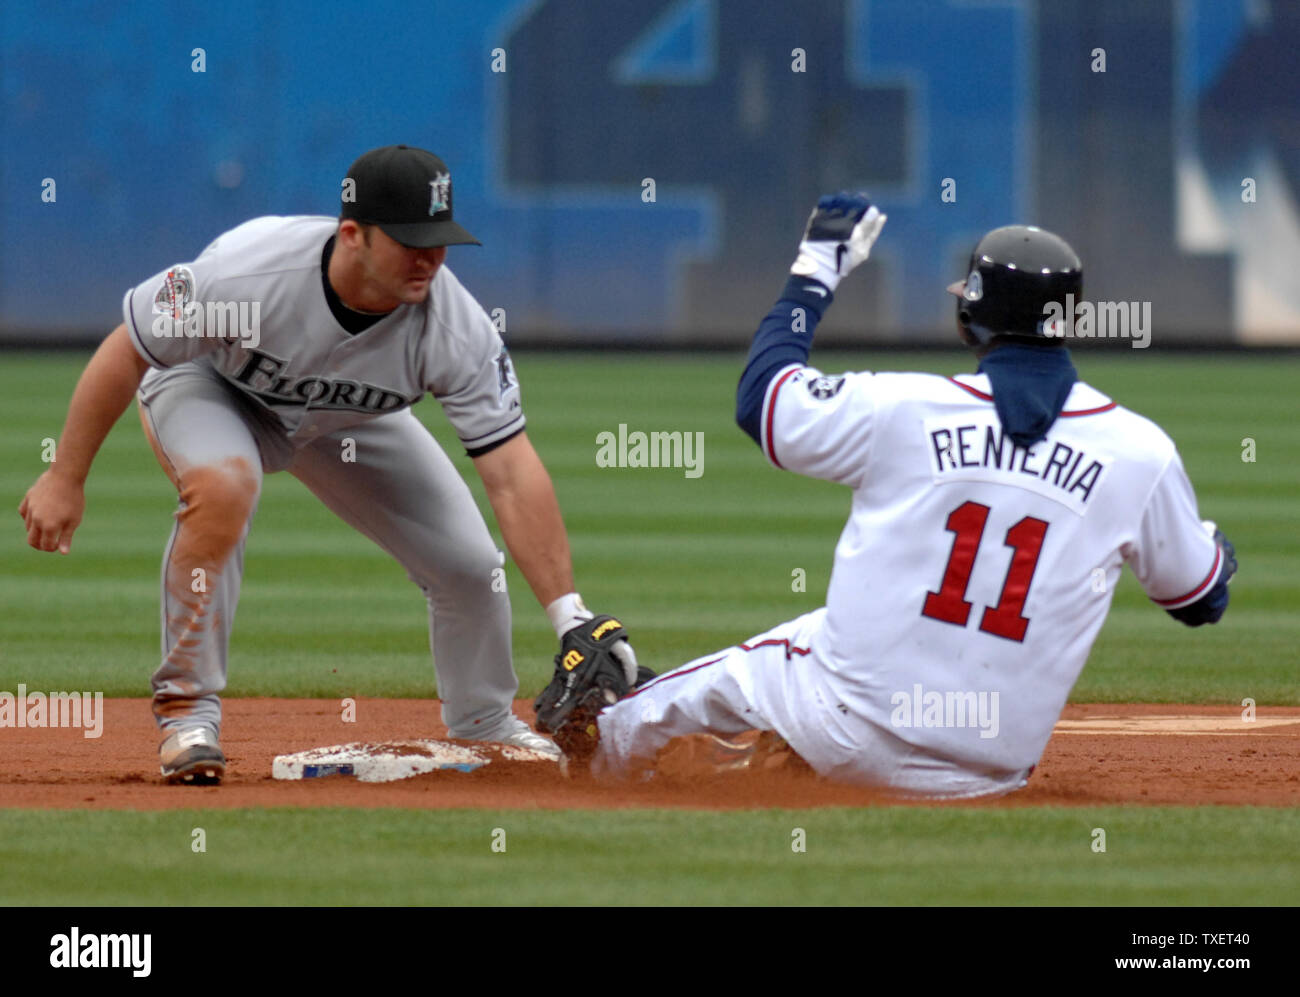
(774, 682)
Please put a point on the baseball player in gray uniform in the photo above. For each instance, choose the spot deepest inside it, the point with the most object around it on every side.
(299, 344)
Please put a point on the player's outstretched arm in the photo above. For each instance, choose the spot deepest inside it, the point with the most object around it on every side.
(53, 506)
(528, 513)
(840, 233)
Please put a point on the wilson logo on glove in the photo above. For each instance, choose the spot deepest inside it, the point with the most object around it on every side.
(590, 673)
(604, 628)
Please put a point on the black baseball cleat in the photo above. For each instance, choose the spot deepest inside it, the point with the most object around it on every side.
(191, 756)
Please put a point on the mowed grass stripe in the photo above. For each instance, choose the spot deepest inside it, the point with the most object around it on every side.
(692, 565)
(1225, 856)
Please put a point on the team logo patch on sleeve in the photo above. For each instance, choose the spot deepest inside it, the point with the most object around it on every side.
(505, 373)
(825, 387)
(175, 292)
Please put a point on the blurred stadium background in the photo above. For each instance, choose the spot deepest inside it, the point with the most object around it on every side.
(1175, 172)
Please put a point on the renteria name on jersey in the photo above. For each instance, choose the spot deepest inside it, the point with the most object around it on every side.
(985, 447)
(262, 377)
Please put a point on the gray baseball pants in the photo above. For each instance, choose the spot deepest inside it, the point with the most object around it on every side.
(401, 491)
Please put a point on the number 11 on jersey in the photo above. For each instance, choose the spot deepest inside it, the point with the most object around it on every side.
(949, 604)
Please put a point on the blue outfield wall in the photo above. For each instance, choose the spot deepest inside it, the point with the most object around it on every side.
(1161, 137)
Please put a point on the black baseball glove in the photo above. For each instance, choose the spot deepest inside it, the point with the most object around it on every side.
(595, 667)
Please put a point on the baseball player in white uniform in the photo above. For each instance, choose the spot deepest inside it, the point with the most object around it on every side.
(299, 344)
(992, 513)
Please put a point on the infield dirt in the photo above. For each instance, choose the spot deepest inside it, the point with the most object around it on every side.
(1100, 754)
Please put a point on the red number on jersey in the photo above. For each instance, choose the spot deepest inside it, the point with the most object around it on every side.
(949, 604)
(1004, 619)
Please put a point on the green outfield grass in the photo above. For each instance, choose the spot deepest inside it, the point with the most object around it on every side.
(692, 564)
(1225, 856)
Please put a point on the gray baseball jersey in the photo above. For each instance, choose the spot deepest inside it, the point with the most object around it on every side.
(251, 306)
(254, 373)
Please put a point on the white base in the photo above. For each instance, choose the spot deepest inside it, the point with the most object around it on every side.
(393, 760)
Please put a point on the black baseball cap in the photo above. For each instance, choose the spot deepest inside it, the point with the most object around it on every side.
(406, 192)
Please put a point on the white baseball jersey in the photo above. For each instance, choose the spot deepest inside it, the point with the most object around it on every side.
(973, 575)
(252, 306)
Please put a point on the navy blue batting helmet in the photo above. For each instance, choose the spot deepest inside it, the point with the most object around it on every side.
(1015, 272)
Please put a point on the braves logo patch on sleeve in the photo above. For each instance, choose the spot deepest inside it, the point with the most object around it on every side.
(825, 387)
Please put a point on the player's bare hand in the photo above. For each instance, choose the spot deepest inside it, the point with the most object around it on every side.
(52, 510)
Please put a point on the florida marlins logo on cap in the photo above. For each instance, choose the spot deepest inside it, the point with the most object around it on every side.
(440, 193)
(406, 192)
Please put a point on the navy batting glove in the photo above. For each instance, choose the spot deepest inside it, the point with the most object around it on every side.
(839, 235)
(1229, 556)
(835, 216)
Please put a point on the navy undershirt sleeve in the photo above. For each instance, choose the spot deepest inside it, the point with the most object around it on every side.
(777, 344)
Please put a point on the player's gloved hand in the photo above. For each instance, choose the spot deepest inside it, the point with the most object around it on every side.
(588, 677)
(52, 510)
(1229, 552)
(569, 612)
(840, 233)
